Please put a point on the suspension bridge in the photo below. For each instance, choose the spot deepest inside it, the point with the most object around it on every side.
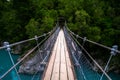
(59, 56)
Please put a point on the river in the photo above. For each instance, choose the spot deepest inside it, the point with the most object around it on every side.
(5, 64)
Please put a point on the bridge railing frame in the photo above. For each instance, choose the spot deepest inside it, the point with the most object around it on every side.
(85, 39)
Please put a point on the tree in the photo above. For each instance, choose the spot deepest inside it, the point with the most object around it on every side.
(32, 28)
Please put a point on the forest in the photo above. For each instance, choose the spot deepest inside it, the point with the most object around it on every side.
(98, 20)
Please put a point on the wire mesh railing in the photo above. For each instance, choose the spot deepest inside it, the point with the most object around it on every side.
(50, 35)
(84, 63)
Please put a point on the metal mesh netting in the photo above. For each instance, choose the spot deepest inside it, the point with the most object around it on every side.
(84, 69)
(33, 65)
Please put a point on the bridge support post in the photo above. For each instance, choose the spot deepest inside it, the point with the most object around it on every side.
(6, 44)
(113, 53)
(84, 40)
(36, 38)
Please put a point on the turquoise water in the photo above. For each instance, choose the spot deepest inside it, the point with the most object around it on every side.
(113, 76)
(86, 74)
(5, 64)
(94, 76)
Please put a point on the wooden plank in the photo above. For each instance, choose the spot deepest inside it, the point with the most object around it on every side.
(63, 68)
(69, 69)
(69, 65)
(60, 66)
(48, 72)
(55, 74)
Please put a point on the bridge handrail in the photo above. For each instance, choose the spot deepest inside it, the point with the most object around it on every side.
(23, 58)
(91, 58)
(45, 34)
(101, 45)
(20, 42)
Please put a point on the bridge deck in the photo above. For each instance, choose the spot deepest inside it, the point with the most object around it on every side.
(59, 66)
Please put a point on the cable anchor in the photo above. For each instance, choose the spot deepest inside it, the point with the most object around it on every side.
(114, 49)
(7, 45)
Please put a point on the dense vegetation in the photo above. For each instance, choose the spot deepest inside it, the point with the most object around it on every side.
(98, 20)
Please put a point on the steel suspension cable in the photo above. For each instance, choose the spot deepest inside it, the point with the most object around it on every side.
(91, 58)
(18, 62)
(34, 75)
(81, 70)
(77, 62)
(13, 65)
(20, 42)
(42, 62)
(106, 66)
(38, 47)
(101, 45)
(23, 58)
(43, 59)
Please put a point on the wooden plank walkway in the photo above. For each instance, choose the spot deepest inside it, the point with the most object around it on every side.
(59, 66)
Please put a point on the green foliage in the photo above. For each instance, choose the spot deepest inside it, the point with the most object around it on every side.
(91, 18)
(47, 23)
(82, 17)
(98, 20)
(94, 33)
(32, 28)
